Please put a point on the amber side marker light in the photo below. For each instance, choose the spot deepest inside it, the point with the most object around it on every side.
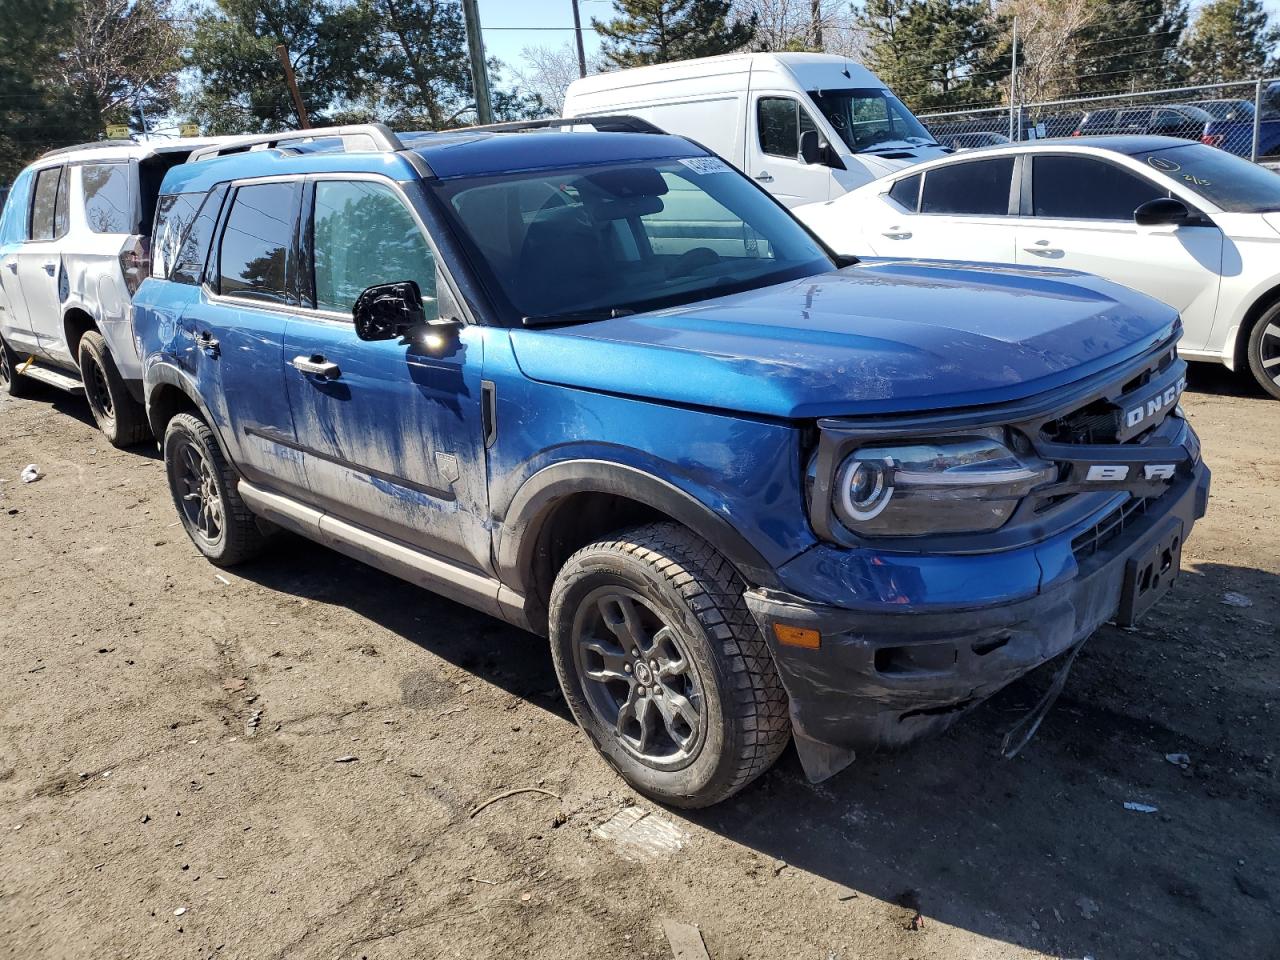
(797, 636)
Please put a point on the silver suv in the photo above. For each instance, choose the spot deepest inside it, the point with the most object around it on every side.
(74, 247)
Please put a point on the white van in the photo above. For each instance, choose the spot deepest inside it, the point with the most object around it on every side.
(808, 126)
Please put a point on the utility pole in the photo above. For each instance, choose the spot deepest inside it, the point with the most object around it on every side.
(1014, 133)
(479, 71)
(577, 36)
(282, 52)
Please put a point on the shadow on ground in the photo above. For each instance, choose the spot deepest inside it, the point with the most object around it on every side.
(1038, 851)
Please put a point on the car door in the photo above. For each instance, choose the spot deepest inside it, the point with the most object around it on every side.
(15, 324)
(961, 212)
(231, 336)
(40, 269)
(390, 431)
(773, 154)
(1079, 214)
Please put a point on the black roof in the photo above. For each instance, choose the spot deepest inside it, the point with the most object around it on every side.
(1119, 143)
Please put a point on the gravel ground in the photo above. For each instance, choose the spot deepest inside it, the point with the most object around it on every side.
(282, 761)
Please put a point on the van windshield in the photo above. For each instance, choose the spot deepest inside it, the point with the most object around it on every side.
(575, 245)
(871, 120)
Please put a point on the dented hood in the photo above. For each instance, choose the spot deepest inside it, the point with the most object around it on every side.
(881, 336)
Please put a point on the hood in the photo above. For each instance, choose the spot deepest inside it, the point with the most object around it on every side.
(881, 336)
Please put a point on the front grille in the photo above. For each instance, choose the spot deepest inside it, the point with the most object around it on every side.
(1109, 527)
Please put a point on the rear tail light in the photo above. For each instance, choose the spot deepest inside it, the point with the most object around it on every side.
(135, 262)
(1212, 139)
(1075, 133)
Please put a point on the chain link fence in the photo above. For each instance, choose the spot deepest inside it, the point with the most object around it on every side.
(1242, 118)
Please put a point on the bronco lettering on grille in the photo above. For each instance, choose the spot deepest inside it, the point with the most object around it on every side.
(1153, 405)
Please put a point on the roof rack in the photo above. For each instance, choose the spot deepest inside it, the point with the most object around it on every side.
(375, 137)
(88, 146)
(604, 123)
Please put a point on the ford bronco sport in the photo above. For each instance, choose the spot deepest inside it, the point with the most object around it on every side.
(602, 386)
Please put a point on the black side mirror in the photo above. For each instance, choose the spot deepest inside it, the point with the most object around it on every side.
(1163, 210)
(388, 310)
(810, 147)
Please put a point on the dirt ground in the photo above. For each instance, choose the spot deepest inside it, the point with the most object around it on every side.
(176, 781)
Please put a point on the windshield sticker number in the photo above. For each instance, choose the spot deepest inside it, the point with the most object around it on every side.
(705, 164)
(1193, 179)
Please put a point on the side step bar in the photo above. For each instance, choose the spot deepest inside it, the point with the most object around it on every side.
(475, 589)
(61, 379)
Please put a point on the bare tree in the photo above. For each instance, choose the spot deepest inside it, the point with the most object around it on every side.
(817, 25)
(548, 71)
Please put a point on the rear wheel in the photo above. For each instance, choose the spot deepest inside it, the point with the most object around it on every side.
(203, 486)
(665, 668)
(122, 419)
(12, 383)
(1264, 351)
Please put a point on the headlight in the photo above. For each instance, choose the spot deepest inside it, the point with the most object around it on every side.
(965, 485)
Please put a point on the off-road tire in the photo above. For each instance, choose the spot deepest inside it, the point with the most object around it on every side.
(12, 383)
(122, 419)
(1264, 332)
(239, 537)
(699, 595)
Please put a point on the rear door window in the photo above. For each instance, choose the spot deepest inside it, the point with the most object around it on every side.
(108, 201)
(255, 242)
(1082, 188)
(44, 204)
(906, 192)
(976, 188)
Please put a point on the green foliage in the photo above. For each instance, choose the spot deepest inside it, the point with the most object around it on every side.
(1231, 40)
(1130, 44)
(658, 31)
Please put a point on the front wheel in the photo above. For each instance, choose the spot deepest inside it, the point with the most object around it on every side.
(665, 668)
(1264, 351)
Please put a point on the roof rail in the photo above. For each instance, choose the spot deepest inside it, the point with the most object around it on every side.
(604, 123)
(89, 146)
(378, 134)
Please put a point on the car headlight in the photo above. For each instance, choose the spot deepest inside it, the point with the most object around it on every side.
(962, 485)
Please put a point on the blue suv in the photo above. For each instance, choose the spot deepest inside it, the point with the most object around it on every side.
(597, 383)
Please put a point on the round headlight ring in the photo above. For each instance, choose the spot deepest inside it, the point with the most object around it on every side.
(865, 488)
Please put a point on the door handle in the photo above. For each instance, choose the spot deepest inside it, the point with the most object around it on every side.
(764, 176)
(208, 343)
(897, 234)
(1042, 247)
(316, 366)
(51, 267)
(12, 265)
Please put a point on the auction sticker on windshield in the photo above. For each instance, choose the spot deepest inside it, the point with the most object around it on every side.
(705, 164)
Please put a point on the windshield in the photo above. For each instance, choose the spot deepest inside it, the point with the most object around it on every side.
(1231, 182)
(588, 243)
(871, 119)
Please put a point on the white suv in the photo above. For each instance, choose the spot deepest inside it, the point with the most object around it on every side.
(73, 249)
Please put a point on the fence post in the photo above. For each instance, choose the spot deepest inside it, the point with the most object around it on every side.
(1021, 126)
(1257, 120)
(1013, 83)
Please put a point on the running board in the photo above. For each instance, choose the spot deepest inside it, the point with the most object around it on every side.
(433, 573)
(54, 378)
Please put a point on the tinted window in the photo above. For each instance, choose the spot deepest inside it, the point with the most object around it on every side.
(980, 187)
(364, 235)
(256, 241)
(781, 121)
(1226, 180)
(1080, 188)
(907, 192)
(44, 204)
(108, 201)
(184, 225)
(62, 206)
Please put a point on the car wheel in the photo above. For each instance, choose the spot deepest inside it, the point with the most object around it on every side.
(1264, 351)
(12, 383)
(665, 668)
(203, 486)
(122, 419)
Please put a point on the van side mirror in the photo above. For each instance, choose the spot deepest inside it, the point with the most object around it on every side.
(810, 147)
(387, 311)
(1163, 210)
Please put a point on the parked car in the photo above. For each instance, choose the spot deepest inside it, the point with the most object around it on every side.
(1226, 109)
(603, 387)
(1235, 133)
(1166, 120)
(971, 141)
(73, 248)
(807, 126)
(1189, 225)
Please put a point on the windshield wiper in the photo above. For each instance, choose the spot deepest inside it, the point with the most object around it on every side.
(576, 316)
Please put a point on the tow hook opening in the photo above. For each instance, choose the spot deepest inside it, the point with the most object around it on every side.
(916, 658)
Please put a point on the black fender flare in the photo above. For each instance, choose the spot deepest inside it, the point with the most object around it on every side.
(537, 497)
(166, 374)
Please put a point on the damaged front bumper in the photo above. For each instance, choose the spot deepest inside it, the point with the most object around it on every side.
(887, 674)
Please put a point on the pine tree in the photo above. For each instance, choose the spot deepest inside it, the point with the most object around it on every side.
(658, 31)
(1231, 40)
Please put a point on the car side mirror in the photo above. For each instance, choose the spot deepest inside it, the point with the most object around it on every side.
(1162, 211)
(810, 147)
(387, 311)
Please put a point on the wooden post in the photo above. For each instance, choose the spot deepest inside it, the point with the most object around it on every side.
(283, 53)
(577, 36)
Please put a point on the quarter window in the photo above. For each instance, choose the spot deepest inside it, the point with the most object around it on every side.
(976, 188)
(255, 242)
(108, 201)
(781, 121)
(184, 226)
(45, 203)
(363, 236)
(906, 192)
(1081, 188)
